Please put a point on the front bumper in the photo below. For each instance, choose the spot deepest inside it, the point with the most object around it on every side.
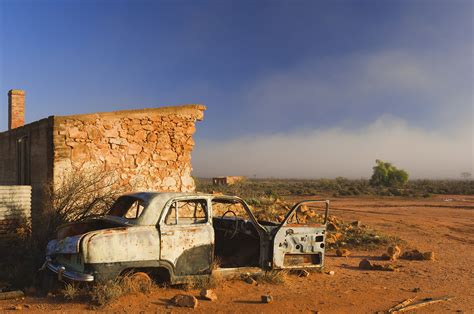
(62, 272)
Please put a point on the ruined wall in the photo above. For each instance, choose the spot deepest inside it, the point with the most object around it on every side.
(147, 149)
(37, 157)
(229, 180)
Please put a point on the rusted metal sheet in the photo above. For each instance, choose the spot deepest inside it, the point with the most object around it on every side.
(138, 243)
(15, 208)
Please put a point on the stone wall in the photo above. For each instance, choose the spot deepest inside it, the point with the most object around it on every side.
(147, 149)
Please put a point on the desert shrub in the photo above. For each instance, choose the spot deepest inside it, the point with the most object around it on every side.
(82, 194)
(254, 189)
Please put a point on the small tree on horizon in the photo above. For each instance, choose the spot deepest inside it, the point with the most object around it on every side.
(385, 174)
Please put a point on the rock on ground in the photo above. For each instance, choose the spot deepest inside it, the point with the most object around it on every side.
(266, 298)
(184, 300)
(208, 294)
(343, 252)
(365, 264)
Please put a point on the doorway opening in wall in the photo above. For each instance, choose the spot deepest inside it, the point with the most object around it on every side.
(23, 161)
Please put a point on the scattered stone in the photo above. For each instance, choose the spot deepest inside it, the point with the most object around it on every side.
(248, 279)
(17, 307)
(208, 294)
(387, 267)
(416, 289)
(343, 252)
(303, 273)
(365, 264)
(11, 295)
(429, 256)
(27, 306)
(393, 252)
(184, 300)
(332, 227)
(266, 298)
(331, 273)
(356, 223)
(418, 256)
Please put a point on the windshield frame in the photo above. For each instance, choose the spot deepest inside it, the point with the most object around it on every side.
(145, 202)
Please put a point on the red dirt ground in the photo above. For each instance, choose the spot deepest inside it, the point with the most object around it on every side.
(443, 224)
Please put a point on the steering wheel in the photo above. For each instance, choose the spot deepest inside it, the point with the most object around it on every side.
(236, 222)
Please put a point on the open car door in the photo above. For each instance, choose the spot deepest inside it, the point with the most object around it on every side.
(299, 241)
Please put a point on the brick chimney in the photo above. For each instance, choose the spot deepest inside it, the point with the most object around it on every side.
(16, 108)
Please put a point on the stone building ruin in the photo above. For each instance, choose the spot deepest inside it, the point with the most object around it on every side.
(148, 149)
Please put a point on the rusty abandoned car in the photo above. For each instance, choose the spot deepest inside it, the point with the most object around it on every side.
(181, 236)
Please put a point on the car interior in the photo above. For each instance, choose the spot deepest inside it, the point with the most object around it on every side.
(237, 241)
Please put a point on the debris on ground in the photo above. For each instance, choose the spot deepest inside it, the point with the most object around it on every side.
(15, 308)
(393, 253)
(303, 273)
(343, 252)
(267, 298)
(401, 305)
(331, 273)
(356, 223)
(367, 265)
(208, 294)
(418, 256)
(341, 235)
(407, 305)
(11, 295)
(416, 289)
(248, 279)
(184, 300)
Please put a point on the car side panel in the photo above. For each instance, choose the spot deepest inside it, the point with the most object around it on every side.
(139, 243)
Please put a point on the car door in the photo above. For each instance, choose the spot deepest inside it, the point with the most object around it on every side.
(299, 241)
(187, 236)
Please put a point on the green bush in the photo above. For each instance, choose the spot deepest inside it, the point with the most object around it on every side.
(385, 174)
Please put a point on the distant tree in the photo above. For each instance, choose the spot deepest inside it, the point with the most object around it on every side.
(385, 174)
(466, 175)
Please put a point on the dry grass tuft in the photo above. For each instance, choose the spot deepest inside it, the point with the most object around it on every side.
(203, 282)
(104, 294)
(274, 277)
(70, 291)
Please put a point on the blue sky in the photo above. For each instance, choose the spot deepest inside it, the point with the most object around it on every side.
(273, 74)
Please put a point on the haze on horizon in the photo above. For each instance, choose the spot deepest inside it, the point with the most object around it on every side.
(293, 89)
